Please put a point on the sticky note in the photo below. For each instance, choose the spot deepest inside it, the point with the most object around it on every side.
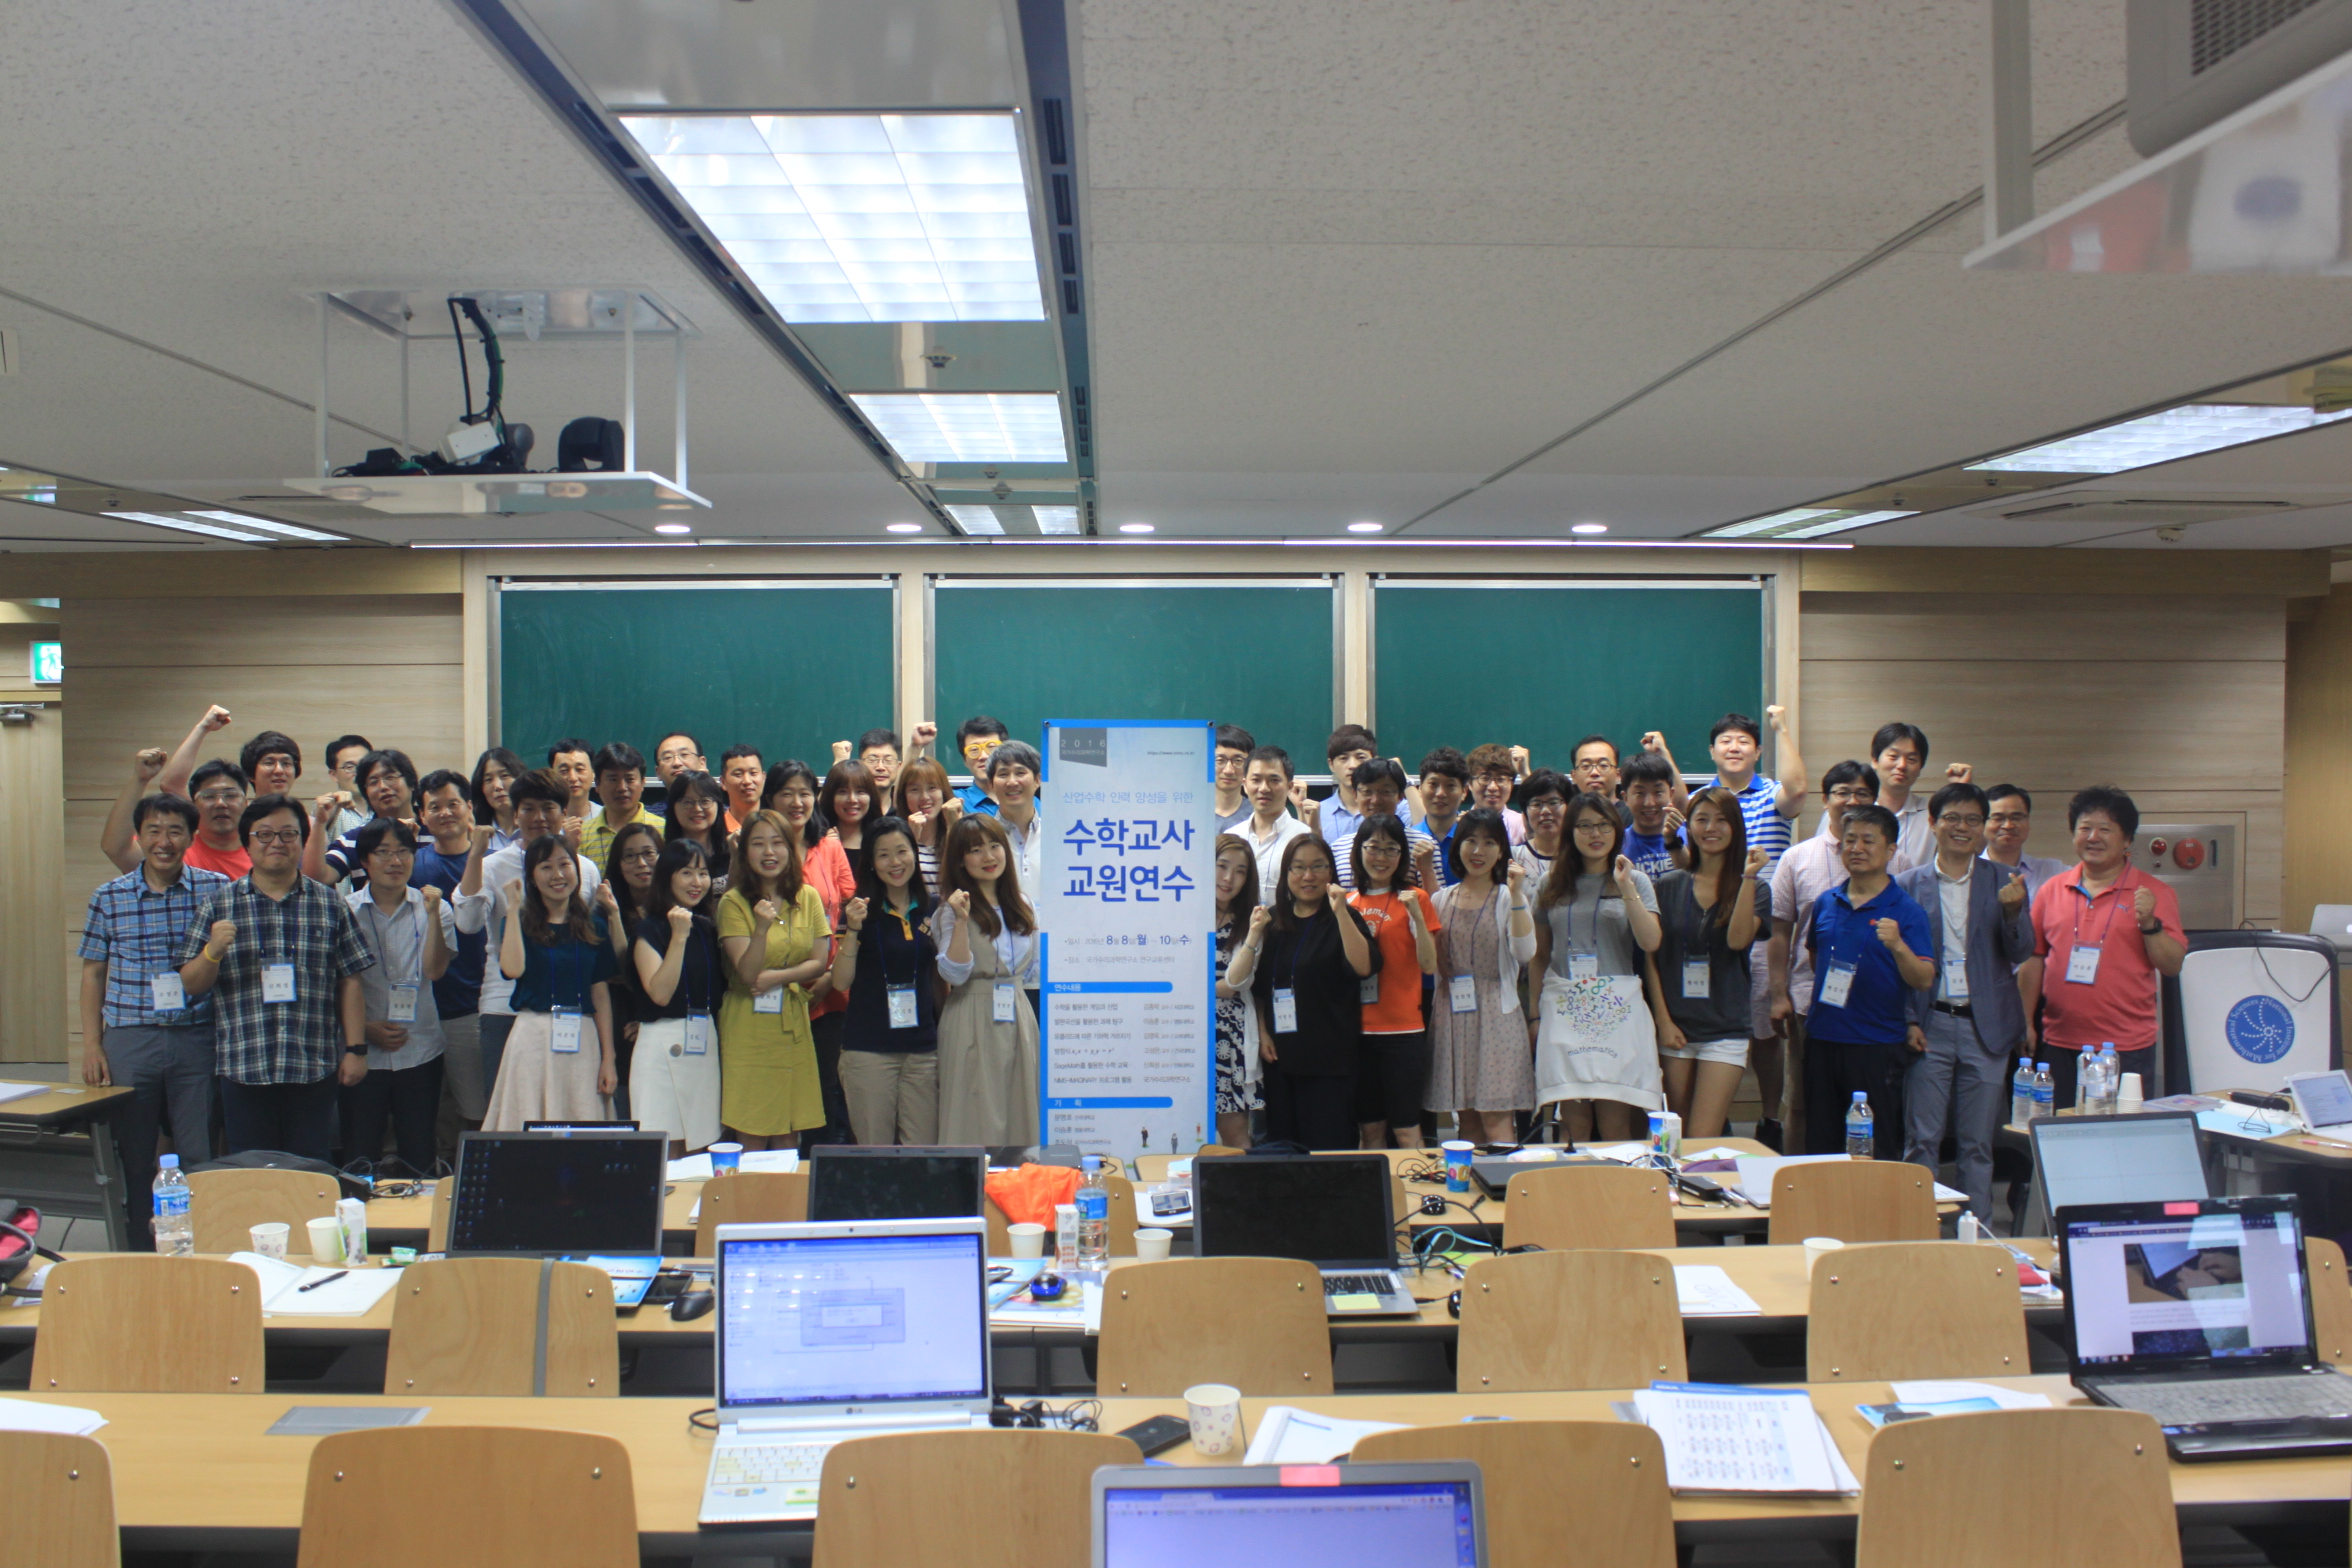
(1361, 1301)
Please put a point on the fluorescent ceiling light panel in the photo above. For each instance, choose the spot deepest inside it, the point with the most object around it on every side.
(968, 427)
(1804, 522)
(2160, 438)
(240, 520)
(861, 217)
(976, 519)
(213, 530)
(1056, 519)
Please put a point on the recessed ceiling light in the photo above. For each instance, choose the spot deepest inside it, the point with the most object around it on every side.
(1588, 528)
(1804, 522)
(210, 530)
(861, 217)
(2160, 438)
(977, 519)
(1135, 528)
(903, 528)
(1060, 520)
(240, 520)
(673, 528)
(1363, 528)
(968, 427)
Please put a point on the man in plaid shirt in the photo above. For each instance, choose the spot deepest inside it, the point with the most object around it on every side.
(140, 1028)
(280, 956)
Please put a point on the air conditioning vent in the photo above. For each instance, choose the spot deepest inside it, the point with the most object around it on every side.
(2220, 28)
(2192, 62)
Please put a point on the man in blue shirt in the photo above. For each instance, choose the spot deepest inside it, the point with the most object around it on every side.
(977, 739)
(445, 812)
(1866, 938)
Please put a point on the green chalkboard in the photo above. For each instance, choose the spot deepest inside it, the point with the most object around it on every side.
(1543, 667)
(1254, 655)
(788, 668)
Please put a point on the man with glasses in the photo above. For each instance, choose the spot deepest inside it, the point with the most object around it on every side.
(344, 754)
(280, 956)
(977, 739)
(539, 800)
(2008, 826)
(446, 814)
(1965, 1026)
(219, 791)
(1803, 875)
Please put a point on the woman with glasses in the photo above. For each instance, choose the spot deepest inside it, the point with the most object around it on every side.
(1309, 990)
(1596, 1039)
(414, 935)
(621, 899)
(1392, 1066)
(698, 812)
(1545, 799)
(772, 929)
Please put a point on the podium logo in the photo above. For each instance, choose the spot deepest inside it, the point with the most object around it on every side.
(1090, 747)
(2260, 1029)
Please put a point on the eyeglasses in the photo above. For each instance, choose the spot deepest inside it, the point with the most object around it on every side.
(639, 857)
(2010, 818)
(1954, 819)
(276, 835)
(220, 797)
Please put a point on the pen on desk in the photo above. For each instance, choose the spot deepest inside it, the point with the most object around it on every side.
(316, 1283)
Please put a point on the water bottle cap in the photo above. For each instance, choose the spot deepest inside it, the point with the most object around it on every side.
(1093, 1162)
(170, 1162)
(2041, 1067)
(1861, 1097)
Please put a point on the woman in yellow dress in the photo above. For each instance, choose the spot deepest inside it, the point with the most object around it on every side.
(773, 929)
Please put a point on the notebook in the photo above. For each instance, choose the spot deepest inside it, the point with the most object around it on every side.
(1332, 1210)
(334, 1293)
(1282, 1516)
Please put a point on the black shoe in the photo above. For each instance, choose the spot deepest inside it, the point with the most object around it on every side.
(1768, 1134)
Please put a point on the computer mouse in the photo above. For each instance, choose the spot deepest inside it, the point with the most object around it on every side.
(691, 1305)
(1046, 1287)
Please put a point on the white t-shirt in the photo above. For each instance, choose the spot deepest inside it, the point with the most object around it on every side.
(1269, 850)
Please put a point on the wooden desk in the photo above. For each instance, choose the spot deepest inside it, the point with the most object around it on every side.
(57, 1152)
(1690, 1215)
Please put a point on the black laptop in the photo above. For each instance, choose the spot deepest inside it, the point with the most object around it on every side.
(590, 1196)
(1332, 1210)
(2198, 1312)
(907, 1182)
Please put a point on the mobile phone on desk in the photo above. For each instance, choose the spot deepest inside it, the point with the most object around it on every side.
(1159, 1433)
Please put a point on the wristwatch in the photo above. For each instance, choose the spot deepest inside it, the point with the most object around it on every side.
(360, 1049)
(2152, 930)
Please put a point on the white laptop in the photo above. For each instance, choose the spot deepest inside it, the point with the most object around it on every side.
(2324, 1101)
(2333, 921)
(831, 1331)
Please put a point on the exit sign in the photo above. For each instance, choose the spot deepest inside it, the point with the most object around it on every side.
(48, 663)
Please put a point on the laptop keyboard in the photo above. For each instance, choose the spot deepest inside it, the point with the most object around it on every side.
(768, 1463)
(1355, 1284)
(2288, 1398)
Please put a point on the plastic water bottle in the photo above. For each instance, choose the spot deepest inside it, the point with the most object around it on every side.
(1094, 1217)
(2045, 1092)
(2087, 1080)
(1860, 1144)
(175, 1227)
(2021, 1093)
(2110, 1078)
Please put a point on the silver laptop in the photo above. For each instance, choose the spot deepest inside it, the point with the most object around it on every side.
(829, 1331)
(2324, 1101)
(2141, 1158)
(1429, 1515)
(1332, 1210)
(2333, 921)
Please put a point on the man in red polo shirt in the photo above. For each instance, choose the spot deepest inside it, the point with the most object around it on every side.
(2103, 932)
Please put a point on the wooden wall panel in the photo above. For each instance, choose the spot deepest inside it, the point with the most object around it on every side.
(2319, 758)
(32, 945)
(140, 634)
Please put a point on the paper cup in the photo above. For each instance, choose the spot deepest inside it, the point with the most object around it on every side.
(1457, 1163)
(1151, 1244)
(1819, 1247)
(1028, 1239)
(326, 1240)
(1214, 1412)
(726, 1158)
(2128, 1088)
(270, 1240)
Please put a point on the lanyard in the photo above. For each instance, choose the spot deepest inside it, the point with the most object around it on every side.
(2075, 937)
(376, 918)
(578, 957)
(1298, 945)
(1467, 942)
(907, 929)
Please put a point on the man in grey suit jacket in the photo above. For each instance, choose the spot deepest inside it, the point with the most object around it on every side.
(1964, 1028)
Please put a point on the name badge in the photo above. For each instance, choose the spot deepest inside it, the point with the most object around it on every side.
(700, 1032)
(1584, 966)
(170, 995)
(1698, 980)
(1837, 985)
(768, 1001)
(277, 982)
(902, 1006)
(565, 1040)
(1003, 1011)
(2082, 965)
(1285, 1010)
(1462, 993)
(1955, 979)
(1368, 990)
(404, 999)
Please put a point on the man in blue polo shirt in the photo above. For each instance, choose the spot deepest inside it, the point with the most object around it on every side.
(1866, 938)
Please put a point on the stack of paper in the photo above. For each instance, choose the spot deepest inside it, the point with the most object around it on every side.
(1757, 1170)
(1917, 1401)
(1707, 1292)
(26, 1415)
(353, 1295)
(10, 1090)
(1288, 1435)
(1729, 1439)
(697, 1167)
(2247, 1121)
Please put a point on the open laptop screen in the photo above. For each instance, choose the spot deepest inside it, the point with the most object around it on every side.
(1328, 1209)
(1418, 1524)
(2152, 1287)
(2118, 1159)
(848, 1183)
(559, 1193)
(852, 1320)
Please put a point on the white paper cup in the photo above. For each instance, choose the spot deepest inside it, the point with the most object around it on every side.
(1819, 1247)
(1028, 1239)
(2128, 1088)
(326, 1241)
(270, 1240)
(1151, 1244)
(1214, 1411)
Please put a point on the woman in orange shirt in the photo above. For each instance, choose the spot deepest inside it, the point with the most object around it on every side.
(1392, 1074)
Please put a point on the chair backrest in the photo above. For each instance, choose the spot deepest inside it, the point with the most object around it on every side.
(1588, 1206)
(472, 1325)
(1256, 1323)
(394, 1497)
(750, 1198)
(63, 1513)
(1590, 1319)
(437, 1226)
(1853, 1200)
(137, 1323)
(2093, 1486)
(226, 1205)
(2331, 1300)
(1008, 1499)
(1599, 1484)
(1915, 1309)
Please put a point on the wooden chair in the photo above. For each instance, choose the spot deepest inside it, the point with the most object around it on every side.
(398, 1496)
(226, 1205)
(1599, 1484)
(1009, 1499)
(472, 1326)
(2331, 1300)
(1256, 1323)
(437, 1226)
(1545, 1320)
(1572, 1206)
(64, 1490)
(138, 1323)
(749, 1198)
(1954, 1492)
(1857, 1200)
(1914, 1309)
